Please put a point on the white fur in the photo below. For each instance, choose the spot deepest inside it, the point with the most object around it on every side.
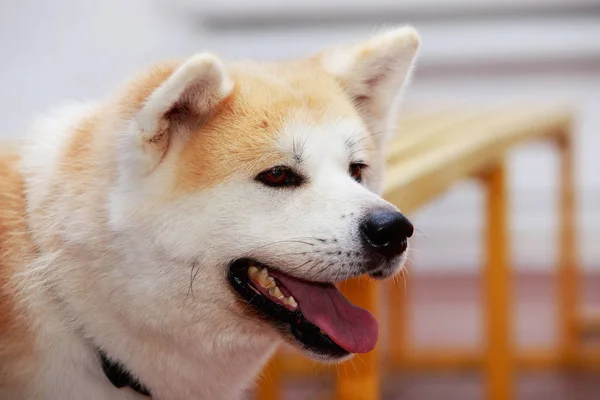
(48, 136)
(123, 276)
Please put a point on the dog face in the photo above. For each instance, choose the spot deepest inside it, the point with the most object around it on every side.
(263, 179)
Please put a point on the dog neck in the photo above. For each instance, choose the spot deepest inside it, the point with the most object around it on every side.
(210, 358)
(217, 362)
(175, 372)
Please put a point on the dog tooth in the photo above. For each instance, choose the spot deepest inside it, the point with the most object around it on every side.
(293, 302)
(269, 283)
(275, 292)
(290, 301)
(264, 280)
(262, 276)
(253, 272)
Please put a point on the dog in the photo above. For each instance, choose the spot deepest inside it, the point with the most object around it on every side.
(163, 242)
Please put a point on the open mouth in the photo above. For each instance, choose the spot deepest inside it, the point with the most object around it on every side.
(316, 315)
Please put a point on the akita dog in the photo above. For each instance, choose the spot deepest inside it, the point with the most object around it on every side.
(161, 243)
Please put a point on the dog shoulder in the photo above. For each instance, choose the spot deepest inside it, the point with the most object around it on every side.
(16, 345)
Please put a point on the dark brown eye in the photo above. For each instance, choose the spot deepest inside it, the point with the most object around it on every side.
(356, 170)
(279, 176)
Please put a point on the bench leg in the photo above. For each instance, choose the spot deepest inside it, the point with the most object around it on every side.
(498, 362)
(358, 379)
(268, 388)
(567, 272)
(398, 306)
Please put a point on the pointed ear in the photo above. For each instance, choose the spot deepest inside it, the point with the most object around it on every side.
(375, 72)
(191, 93)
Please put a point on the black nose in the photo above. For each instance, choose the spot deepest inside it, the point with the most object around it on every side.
(386, 232)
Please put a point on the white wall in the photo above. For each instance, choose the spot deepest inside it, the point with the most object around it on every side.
(73, 49)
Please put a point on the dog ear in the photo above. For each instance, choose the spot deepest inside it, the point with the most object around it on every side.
(375, 72)
(189, 96)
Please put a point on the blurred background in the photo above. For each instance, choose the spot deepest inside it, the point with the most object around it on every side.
(473, 52)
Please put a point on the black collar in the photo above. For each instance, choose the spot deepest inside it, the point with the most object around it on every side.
(119, 376)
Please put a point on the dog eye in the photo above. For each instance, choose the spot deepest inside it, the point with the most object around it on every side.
(279, 176)
(356, 170)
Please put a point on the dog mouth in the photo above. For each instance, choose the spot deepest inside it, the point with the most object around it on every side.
(314, 315)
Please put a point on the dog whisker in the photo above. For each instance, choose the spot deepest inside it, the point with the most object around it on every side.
(300, 266)
(325, 268)
(193, 275)
(302, 253)
(310, 270)
(300, 240)
(420, 233)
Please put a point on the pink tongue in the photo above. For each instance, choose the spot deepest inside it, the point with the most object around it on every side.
(350, 327)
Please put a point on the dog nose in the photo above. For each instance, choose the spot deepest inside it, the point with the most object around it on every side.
(386, 232)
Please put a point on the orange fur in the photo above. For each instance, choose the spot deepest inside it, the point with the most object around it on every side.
(234, 139)
(134, 93)
(80, 209)
(246, 125)
(264, 97)
(15, 247)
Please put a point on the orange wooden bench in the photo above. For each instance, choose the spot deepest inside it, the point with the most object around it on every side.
(432, 152)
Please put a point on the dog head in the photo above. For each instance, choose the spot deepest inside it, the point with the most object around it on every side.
(259, 184)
